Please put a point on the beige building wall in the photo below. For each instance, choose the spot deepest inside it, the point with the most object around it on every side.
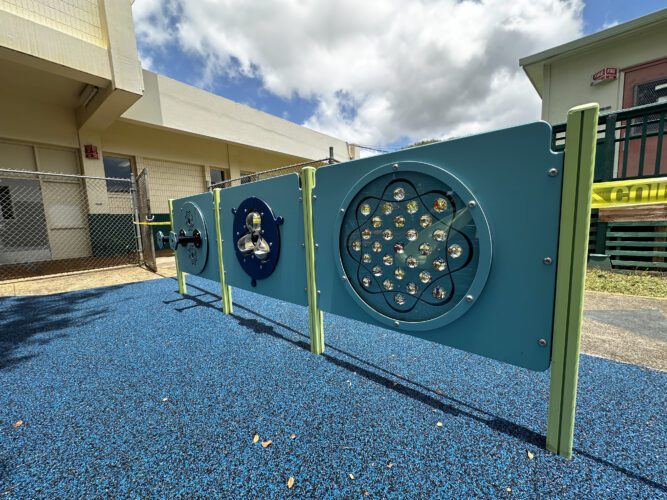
(178, 164)
(170, 104)
(78, 18)
(567, 81)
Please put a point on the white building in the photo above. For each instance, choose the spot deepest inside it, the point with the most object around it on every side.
(619, 67)
(74, 99)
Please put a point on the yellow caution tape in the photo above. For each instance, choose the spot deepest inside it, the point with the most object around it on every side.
(630, 192)
(154, 223)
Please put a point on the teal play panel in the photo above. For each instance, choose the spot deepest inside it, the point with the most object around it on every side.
(453, 242)
(282, 196)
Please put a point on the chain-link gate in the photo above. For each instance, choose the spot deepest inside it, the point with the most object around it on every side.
(55, 223)
(145, 215)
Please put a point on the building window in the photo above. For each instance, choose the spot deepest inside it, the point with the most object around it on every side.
(217, 176)
(6, 208)
(119, 167)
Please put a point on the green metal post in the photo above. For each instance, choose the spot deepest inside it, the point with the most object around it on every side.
(225, 289)
(570, 275)
(315, 317)
(182, 289)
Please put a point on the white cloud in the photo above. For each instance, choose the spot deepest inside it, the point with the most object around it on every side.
(610, 24)
(379, 70)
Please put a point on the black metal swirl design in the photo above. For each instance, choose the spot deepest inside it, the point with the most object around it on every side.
(445, 221)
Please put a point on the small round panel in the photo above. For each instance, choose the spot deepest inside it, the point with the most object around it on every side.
(414, 245)
(256, 238)
(191, 259)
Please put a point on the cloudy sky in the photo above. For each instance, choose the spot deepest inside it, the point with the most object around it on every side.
(382, 73)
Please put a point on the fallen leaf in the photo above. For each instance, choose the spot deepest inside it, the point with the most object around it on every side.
(351, 476)
(530, 454)
(293, 436)
(390, 465)
(439, 392)
(290, 482)
(18, 423)
(439, 424)
(255, 438)
(266, 443)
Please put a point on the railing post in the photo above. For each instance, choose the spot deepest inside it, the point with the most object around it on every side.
(659, 141)
(609, 151)
(182, 288)
(575, 216)
(225, 290)
(315, 316)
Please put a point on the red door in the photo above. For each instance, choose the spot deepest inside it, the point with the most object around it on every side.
(644, 84)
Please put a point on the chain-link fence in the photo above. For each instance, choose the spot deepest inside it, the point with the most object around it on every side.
(55, 223)
(275, 172)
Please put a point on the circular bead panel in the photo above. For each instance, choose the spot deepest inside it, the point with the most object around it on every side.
(409, 246)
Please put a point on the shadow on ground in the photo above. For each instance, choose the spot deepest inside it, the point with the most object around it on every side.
(426, 396)
(43, 319)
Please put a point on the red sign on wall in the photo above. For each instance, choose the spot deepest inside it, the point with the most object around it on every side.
(604, 75)
(91, 151)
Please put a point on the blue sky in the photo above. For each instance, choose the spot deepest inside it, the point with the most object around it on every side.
(192, 45)
(600, 13)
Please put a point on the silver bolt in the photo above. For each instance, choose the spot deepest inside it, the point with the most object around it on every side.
(395, 167)
(314, 197)
(344, 278)
(542, 342)
(317, 245)
(319, 292)
(342, 210)
(548, 260)
(469, 298)
(303, 244)
(397, 323)
(472, 204)
(553, 172)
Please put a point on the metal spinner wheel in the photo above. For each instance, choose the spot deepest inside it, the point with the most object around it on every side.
(257, 238)
(189, 238)
(415, 246)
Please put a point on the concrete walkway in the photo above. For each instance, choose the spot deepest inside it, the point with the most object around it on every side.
(626, 328)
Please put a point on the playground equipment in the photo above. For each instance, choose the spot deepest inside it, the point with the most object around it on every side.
(478, 243)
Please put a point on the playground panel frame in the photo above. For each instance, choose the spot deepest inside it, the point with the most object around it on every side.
(508, 173)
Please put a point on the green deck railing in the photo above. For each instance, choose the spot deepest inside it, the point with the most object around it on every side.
(630, 145)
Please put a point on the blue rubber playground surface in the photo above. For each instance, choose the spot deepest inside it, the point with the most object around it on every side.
(135, 391)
